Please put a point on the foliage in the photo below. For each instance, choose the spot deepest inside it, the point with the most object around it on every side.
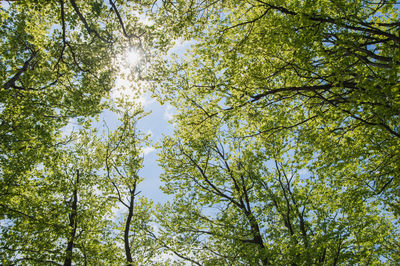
(57, 65)
(64, 201)
(250, 201)
(319, 77)
(69, 208)
(285, 149)
(122, 161)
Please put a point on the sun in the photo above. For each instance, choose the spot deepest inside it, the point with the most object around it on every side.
(133, 57)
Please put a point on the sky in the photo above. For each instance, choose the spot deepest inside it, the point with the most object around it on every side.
(157, 124)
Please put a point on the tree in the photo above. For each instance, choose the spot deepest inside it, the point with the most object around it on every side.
(123, 160)
(46, 73)
(81, 206)
(57, 64)
(286, 142)
(251, 201)
(62, 213)
(321, 75)
(325, 73)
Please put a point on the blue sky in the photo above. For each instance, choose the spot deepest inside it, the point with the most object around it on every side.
(157, 124)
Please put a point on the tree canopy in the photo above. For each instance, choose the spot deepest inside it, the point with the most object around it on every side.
(286, 139)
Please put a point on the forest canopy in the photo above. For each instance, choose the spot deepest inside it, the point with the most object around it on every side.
(285, 142)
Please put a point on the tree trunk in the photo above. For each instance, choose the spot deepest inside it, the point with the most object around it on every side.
(72, 222)
(127, 227)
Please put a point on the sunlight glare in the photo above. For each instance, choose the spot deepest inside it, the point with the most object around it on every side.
(133, 57)
(127, 86)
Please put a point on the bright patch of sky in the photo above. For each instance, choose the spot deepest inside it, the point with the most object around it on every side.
(145, 20)
(4, 4)
(157, 123)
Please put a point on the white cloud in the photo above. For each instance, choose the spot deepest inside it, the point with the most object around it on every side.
(144, 19)
(5, 5)
(146, 99)
(179, 47)
(303, 172)
(117, 211)
(69, 128)
(148, 150)
(167, 257)
(169, 112)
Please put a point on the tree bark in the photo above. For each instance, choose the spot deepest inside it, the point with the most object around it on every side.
(128, 253)
(72, 222)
